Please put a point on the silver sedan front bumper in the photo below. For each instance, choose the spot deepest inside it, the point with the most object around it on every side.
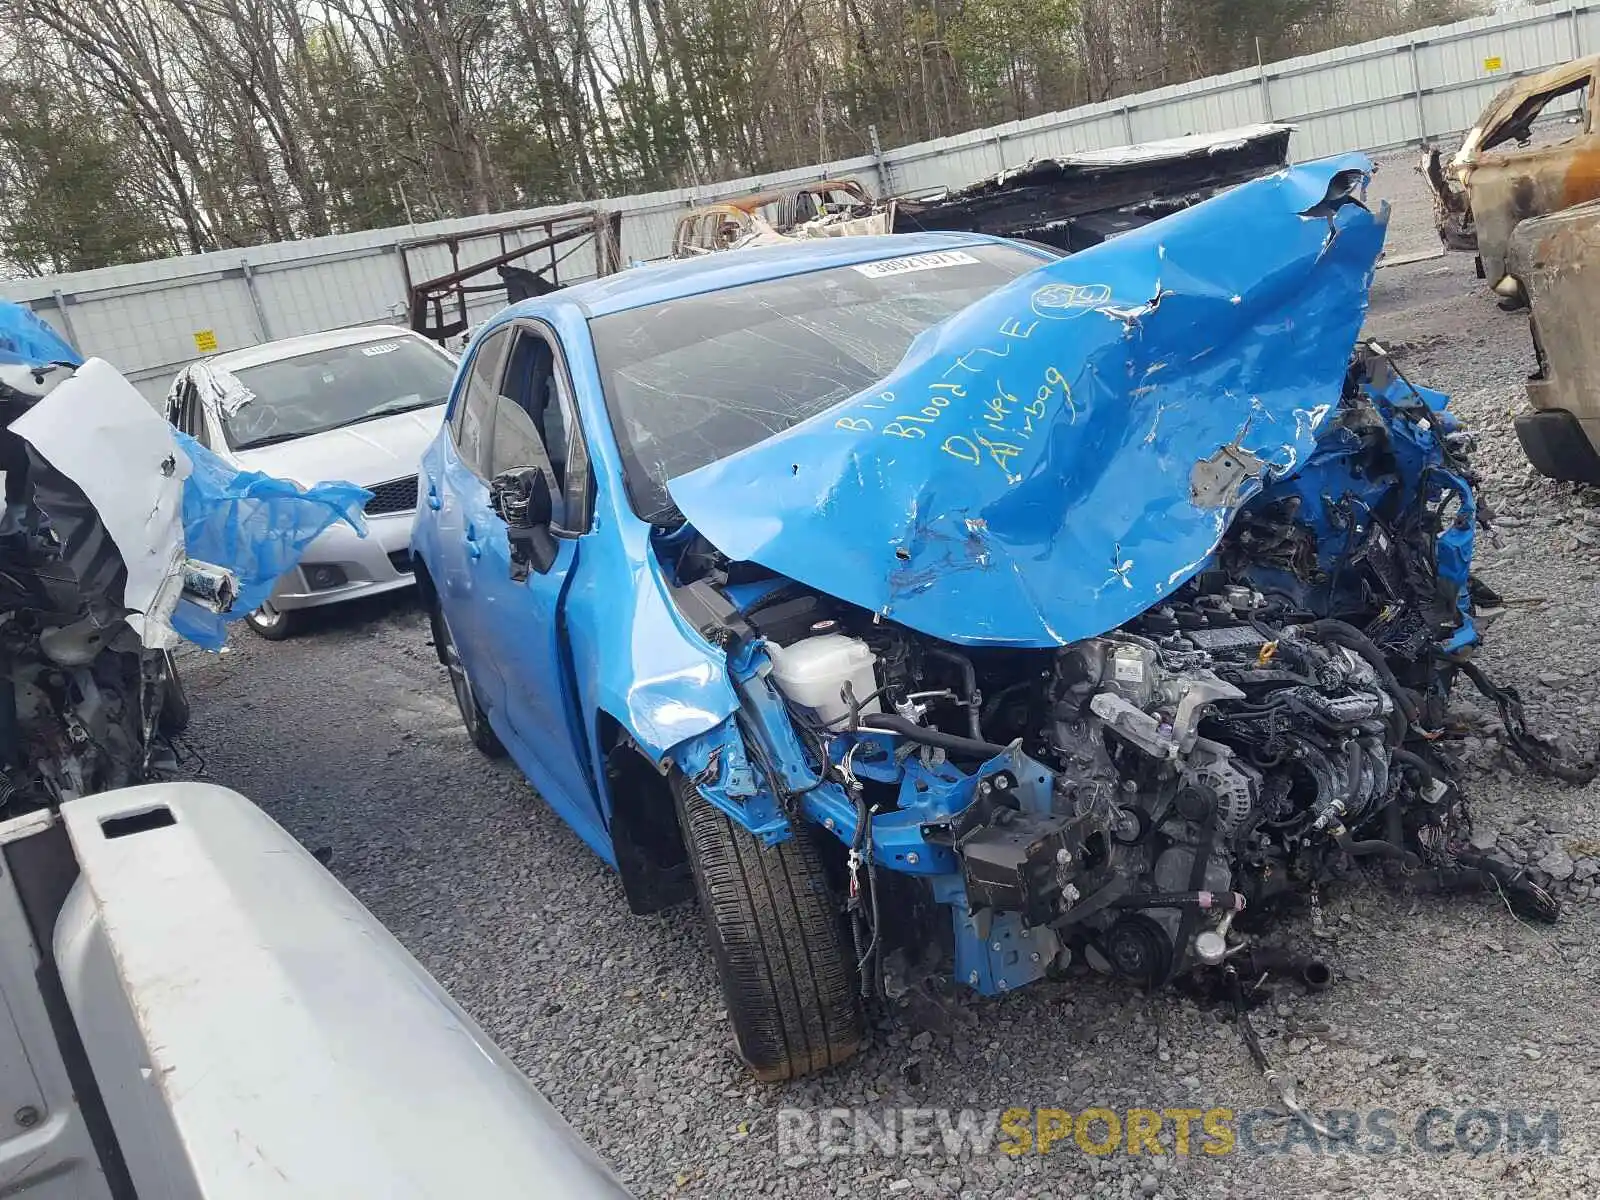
(339, 565)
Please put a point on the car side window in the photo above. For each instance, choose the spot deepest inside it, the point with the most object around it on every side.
(198, 428)
(517, 444)
(195, 425)
(536, 383)
(575, 492)
(185, 413)
(472, 422)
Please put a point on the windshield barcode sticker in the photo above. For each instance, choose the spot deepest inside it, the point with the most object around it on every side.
(380, 348)
(915, 262)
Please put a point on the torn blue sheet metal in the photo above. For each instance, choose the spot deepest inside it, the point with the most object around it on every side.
(255, 525)
(1365, 507)
(1063, 454)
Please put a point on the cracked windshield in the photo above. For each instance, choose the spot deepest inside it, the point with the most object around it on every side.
(693, 380)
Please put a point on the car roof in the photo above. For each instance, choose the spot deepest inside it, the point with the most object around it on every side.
(651, 283)
(293, 347)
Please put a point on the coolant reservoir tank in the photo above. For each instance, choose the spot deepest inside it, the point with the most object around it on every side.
(812, 672)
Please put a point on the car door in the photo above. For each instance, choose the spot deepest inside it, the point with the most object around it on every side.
(535, 425)
(457, 495)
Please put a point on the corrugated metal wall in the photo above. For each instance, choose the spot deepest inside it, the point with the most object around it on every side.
(145, 318)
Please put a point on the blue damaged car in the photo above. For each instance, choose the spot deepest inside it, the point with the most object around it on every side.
(938, 610)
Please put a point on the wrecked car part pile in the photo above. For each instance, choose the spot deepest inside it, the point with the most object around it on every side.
(118, 539)
(1128, 605)
(1080, 200)
(1068, 203)
(828, 208)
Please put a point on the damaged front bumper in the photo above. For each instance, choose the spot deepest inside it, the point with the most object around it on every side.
(1158, 802)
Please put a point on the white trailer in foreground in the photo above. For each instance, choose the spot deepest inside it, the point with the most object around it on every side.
(195, 1008)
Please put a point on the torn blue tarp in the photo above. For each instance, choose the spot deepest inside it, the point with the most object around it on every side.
(27, 340)
(249, 524)
(255, 525)
(1060, 456)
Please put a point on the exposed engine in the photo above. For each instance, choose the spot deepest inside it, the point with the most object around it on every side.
(83, 700)
(85, 704)
(1127, 798)
(1198, 762)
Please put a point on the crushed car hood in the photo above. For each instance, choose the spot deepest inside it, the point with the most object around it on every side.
(1066, 452)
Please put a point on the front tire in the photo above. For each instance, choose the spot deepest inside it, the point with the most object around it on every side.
(776, 936)
(274, 623)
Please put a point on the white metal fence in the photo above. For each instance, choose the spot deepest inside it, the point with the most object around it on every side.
(150, 318)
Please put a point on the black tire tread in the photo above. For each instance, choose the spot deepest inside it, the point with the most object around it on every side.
(289, 624)
(776, 937)
(484, 739)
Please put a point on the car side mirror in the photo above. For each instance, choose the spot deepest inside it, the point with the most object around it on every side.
(521, 498)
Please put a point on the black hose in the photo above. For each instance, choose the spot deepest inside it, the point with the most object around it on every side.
(969, 682)
(1211, 901)
(1416, 762)
(1343, 633)
(1373, 848)
(1394, 829)
(909, 729)
(1270, 960)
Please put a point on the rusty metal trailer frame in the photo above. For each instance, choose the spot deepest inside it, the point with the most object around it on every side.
(426, 301)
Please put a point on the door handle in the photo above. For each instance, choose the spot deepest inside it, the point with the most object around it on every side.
(433, 496)
(473, 549)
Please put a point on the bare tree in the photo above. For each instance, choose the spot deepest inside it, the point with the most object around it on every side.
(209, 123)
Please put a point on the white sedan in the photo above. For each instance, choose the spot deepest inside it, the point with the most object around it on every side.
(353, 404)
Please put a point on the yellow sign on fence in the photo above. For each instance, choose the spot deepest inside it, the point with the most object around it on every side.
(1492, 63)
(205, 340)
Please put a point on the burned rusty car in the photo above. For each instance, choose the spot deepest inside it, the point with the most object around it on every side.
(830, 208)
(1557, 257)
(1503, 174)
(945, 612)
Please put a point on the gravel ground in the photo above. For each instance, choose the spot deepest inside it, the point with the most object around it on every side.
(349, 737)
